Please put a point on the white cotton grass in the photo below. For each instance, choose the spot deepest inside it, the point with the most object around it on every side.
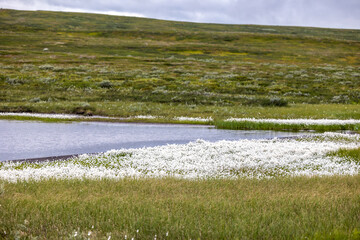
(53, 115)
(42, 115)
(191, 119)
(74, 116)
(297, 121)
(202, 160)
(145, 117)
(194, 119)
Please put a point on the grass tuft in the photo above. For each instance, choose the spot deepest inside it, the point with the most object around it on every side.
(352, 155)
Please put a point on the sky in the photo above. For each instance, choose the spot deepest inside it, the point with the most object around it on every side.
(315, 13)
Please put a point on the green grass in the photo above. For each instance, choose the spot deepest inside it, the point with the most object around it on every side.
(284, 208)
(97, 25)
(249, 125)
(348, 154)
(108, 62)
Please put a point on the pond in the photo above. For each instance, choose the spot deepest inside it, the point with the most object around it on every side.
(31, 139)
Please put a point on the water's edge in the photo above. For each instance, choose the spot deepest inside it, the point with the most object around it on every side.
(27, 141)
(66, 157)
(43, 159)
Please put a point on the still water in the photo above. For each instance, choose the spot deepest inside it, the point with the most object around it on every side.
(29, 139)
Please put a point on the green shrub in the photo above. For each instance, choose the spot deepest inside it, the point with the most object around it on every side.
(278, 102)
(35, 100)
(84, 109)
(267, 102)
(106, 84)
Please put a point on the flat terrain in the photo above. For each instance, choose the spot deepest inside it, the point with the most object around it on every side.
(124, 66)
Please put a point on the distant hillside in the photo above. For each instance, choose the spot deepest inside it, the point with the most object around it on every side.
(64, 21)
(111, 65)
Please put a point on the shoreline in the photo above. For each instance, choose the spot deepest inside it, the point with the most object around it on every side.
(80, 118)
(66, 157)
(131, 120)
(42, 159)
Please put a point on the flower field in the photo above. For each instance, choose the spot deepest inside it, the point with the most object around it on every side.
(306, 156)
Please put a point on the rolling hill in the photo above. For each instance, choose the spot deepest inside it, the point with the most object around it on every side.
(77, 62)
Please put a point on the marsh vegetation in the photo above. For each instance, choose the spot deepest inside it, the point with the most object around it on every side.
(88, 64)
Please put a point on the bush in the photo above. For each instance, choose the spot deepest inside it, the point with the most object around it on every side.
(105, 84)
(83, 109)
(267, 102)
(277, 102)
(35, 100)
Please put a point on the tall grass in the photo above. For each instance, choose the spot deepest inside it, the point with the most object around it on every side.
(283, 208)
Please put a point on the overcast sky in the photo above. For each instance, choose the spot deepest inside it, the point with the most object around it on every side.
(317, 13)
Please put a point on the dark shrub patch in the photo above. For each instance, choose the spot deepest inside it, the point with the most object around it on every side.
(267, 102)
(84, 109)
(105, 84)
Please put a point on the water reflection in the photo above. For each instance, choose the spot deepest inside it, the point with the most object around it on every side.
(29, 139)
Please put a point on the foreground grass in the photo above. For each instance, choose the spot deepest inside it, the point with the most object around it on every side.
(283, 208)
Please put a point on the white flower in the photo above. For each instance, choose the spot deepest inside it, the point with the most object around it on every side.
(193, 119)
(202, 160)
(145, 117)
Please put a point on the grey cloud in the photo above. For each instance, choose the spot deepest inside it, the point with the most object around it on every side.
(318, 13)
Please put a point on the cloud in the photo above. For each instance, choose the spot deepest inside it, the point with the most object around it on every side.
(318, 13)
